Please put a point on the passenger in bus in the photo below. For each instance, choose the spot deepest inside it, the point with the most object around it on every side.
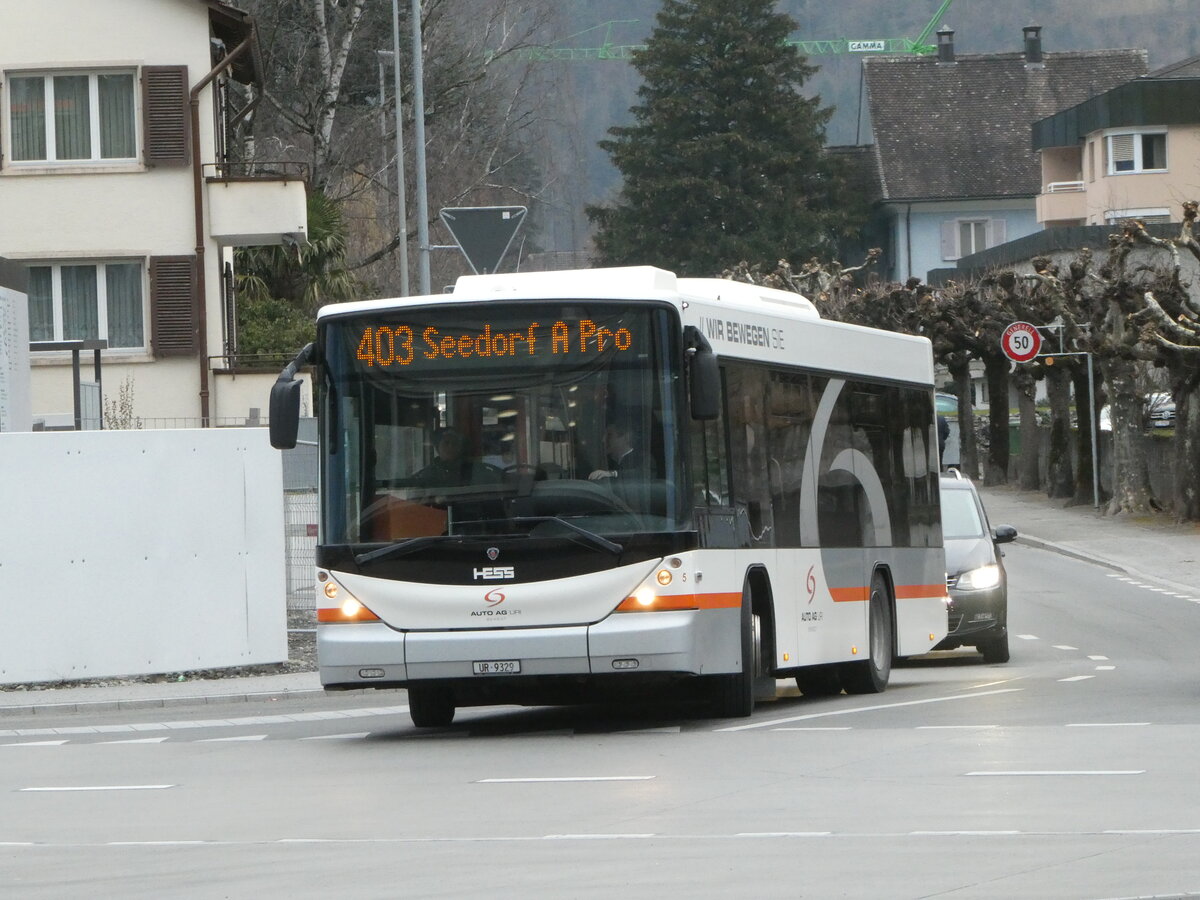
(625, 459)
(452, 466)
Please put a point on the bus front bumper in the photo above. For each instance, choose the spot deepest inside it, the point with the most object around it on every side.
(691, 642)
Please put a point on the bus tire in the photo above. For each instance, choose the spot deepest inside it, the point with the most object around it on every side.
(819, 681)
(733, 694)
(430, 707)
(870, 676)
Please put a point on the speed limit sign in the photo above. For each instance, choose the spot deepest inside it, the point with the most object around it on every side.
(1020, 342)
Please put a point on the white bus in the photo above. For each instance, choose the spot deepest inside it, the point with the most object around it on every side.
(549, 487)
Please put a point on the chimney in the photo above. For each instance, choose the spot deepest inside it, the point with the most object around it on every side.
(1033, 45)
(945, 45)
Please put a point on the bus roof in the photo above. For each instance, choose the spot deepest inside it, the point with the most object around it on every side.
(618, 283)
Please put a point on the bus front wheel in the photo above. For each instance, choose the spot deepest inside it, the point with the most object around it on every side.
(430, 707)
(733, 694)
(870, 676)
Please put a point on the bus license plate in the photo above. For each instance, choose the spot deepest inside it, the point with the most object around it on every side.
(497, 667)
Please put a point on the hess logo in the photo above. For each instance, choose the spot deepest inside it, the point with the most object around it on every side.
(494, 573)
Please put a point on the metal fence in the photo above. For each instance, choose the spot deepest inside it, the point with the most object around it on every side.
(300, 518)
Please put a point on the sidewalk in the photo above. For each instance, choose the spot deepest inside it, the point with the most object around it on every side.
(1150, 548)
(1144, 548)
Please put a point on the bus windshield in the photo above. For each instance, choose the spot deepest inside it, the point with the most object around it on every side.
(500, 419)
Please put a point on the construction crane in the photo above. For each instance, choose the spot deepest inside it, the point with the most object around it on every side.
(607, 50)
(916, 45)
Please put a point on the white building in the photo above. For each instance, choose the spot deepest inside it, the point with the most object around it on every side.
(117, 195)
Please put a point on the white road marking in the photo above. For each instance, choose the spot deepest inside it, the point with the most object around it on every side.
(36, 744)
(240, 737)
(566, 779)
(1099, 658)
(1055, 772)
(952, 727)
(596, 837)
(1064, 647)
(858, 709)
(816, 728)
(100, 787)
(1105, 668)
(1077, 678)
(1028, 637)
(154, 740)
(960, 833)
(690, 838)
(774, 834)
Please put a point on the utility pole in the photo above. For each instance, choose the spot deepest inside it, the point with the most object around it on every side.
(419, 129)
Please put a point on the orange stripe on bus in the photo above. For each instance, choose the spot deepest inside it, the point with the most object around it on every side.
(849, 594)
(919, 591)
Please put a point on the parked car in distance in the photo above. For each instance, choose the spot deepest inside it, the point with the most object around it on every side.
(1158, 411)
(975, 576)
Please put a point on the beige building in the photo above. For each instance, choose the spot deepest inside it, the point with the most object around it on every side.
(1130, 153)
(121, 201)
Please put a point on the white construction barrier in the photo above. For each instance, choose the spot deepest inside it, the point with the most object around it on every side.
(139, 552)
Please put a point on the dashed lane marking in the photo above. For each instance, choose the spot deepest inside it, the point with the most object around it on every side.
(1077, 678)
(859, 709)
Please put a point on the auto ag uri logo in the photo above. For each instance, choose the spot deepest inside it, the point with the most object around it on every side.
(494, 597)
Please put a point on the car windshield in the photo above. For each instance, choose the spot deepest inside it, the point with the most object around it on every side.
(474, 419)
(960, 515)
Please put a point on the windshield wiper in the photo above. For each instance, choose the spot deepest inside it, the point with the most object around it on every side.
(589, 537)
(400, 548)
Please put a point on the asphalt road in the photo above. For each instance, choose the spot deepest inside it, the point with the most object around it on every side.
(1069, 772)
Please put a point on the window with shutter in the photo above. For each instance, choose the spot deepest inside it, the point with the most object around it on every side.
(1137, 151)
(1120, 152)
(165, 106)
(173, 309)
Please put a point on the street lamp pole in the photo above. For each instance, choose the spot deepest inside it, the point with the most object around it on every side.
(401, 205)
(419, 134)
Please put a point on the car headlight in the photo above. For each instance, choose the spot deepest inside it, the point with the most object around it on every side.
(979, 579)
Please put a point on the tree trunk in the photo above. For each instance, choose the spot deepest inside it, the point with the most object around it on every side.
(968, 449)
(1060, 478)
(1028, 470)
(1185, 502)
(1131, 474)
(996, 371)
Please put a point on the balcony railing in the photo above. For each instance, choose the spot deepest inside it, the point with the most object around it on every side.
(1063, 187)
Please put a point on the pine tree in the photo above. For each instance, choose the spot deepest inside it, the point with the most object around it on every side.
(724, 160)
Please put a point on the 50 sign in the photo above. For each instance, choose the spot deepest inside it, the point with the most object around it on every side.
(1021, 342)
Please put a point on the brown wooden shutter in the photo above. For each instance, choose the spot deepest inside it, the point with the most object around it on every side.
(175, 326)
(165, 114)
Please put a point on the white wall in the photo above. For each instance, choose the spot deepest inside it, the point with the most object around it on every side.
(138, 552)
(15, 414)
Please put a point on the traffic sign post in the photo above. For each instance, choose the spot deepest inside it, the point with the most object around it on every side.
(1021, 342)
(484, 233)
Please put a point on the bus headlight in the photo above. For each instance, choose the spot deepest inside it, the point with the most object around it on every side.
(348, 609)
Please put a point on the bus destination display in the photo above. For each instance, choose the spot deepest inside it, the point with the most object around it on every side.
(384, 346)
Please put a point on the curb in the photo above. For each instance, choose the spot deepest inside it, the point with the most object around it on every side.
(156, 702)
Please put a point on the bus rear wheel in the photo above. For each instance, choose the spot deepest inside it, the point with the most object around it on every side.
(870, 676)
(430, 707)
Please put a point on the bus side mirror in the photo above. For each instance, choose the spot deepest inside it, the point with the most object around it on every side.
(285, 403)
(704, 377)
